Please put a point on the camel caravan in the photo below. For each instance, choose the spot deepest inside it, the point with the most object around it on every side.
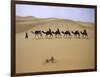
(58, 34)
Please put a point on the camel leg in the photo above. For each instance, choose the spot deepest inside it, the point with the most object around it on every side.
(55, 36)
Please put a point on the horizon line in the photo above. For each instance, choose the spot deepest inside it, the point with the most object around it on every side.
(55, 18)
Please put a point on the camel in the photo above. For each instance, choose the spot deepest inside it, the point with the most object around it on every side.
(48, 33)
(51, 60)
(66, 33)
(37, 33)
(76, 33)
(57, 33)
(84, 33)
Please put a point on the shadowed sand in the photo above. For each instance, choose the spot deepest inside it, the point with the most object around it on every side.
(69, 53)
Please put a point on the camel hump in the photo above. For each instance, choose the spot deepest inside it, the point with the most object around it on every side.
(72, 31)
(62, 31)
(43, 32)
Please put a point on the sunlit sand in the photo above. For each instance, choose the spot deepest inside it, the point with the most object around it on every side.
(70, 53)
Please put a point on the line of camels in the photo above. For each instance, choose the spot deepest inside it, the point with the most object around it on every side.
(50, 34)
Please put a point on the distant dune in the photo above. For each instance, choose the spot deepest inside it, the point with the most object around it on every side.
(20, 18)
(25, 23)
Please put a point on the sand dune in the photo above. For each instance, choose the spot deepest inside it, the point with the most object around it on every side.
(69, 54)
(25, 23)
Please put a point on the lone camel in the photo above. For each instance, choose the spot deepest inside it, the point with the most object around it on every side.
(52, 60)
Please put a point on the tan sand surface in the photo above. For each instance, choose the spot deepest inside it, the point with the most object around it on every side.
(69, 54)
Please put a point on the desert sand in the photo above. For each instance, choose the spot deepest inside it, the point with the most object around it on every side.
(69, 53)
